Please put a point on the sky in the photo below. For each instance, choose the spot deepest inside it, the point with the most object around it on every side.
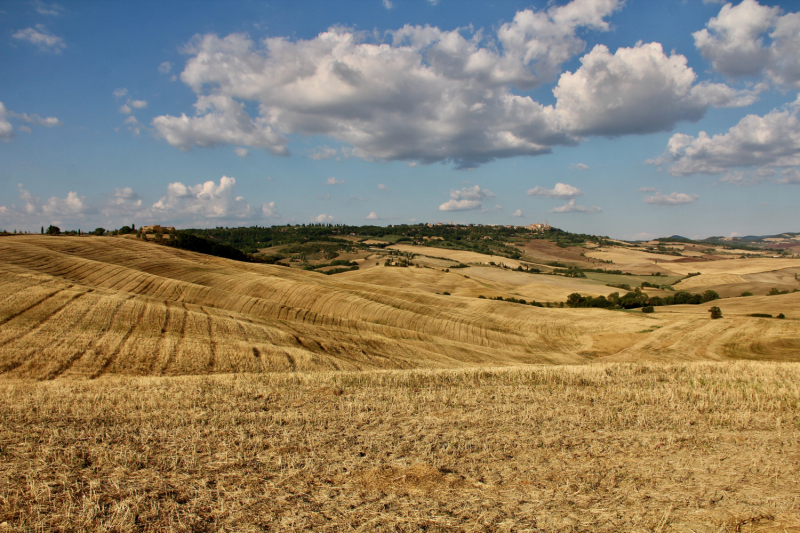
(633, 119)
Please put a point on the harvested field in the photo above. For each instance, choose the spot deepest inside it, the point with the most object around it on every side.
(648, 447)
(90, 306)
(460, 256)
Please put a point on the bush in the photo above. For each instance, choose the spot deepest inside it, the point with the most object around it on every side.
(781, 316)
(760, 315)
(648, 309)
(746, 293)
(53, 230)
(716, 312)
(710, 295)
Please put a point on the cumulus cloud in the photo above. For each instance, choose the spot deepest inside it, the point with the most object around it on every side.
(7, 129)
(735, 43)
(138, 104)
(323, 152)
(790, 175)
(570, 207)
(382, 187)
(581, 166)
(372, 216)
(120, 92)
(323, 218)
(646, 189)
(54, 210)
(219, 120)
(53, 10)
(203, 201)
(388, 4)
(125, 109)
(466, 199)
(428, 96)
(40, 37)
(769, 141)
(165, 67)
(635, 91)
(517, 213)
(675, 198)
(268, 210)
(241, 151)
(561, 190)
(333, 181)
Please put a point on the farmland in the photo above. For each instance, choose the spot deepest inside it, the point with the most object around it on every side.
(149, 388)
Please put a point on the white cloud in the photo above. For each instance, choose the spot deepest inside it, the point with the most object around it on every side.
(790, 175)
(466, 199)
(388, 4)
(769, 141)
(268, 210)
(54, 210)
(120, 92)
(433, 2)
(372, 216)
(134, 126)
(635, 91)
(736, 177)
(40, 37)
(323, 152)
(561, 190)
(429, 96)
(570, 207)
(125, 109)
(323, 218)
(219, 120)
(581, 166)
(734, 41)
(498, 207)
(165, 67)
(203, 201)
(48, 9)
(7, 129)
(646, 189)
(333, 181)
(675, 198)
(138, 104)
(383, 187)
(240, 151)
(517, 213)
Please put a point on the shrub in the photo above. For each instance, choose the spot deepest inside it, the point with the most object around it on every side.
(648, 309)
(781, 316)
(747, 293)
(53, 230)
(760, 315)
(716, 312)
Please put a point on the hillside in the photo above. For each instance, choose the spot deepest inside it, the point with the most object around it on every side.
(88, 306)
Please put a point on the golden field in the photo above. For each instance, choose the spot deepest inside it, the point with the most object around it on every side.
(229, 396)
(700, 447)
(85, 306)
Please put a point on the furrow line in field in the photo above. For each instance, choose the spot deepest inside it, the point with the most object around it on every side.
(122, 343)
(28, 308)
(181, 341)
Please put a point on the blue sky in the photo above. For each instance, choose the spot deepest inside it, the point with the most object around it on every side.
(632, 119)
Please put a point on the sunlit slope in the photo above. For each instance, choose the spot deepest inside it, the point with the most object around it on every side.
(90, 306)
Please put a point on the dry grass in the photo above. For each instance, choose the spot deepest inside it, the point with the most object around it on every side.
(653, 447)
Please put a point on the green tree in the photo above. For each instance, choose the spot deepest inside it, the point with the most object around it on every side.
(710, 295)
(716, 312)
(53, 230)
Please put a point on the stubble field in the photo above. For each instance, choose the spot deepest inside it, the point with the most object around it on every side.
(184, 392)
(698, 447)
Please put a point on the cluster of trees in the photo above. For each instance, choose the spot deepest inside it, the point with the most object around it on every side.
(489, 240)
(637, 298)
